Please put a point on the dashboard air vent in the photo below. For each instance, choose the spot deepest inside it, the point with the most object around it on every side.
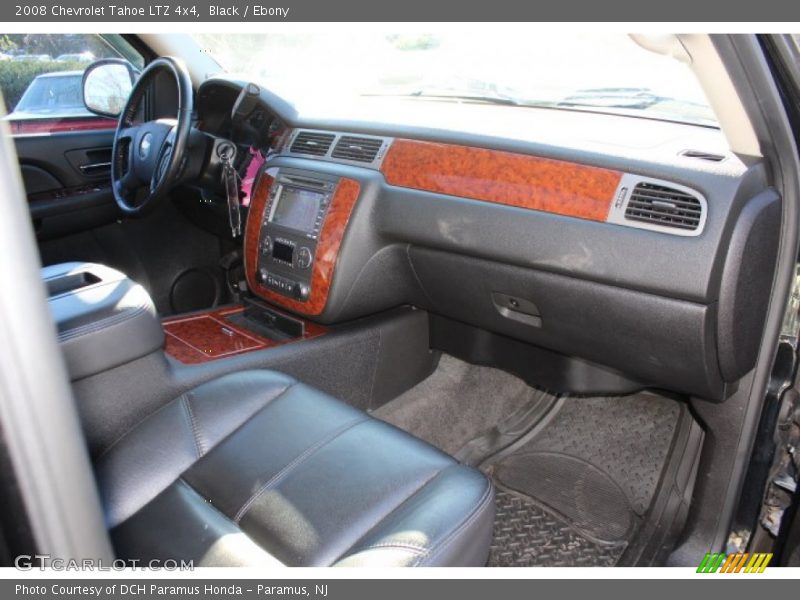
(700, 154)
(359, 149)
(311, 142)
(664, 206)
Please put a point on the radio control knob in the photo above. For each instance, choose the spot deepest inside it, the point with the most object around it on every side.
(267, 247)
(261, 275)
(304, 258)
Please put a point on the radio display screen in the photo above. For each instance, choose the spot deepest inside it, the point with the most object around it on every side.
(282, 252)
(296, 208)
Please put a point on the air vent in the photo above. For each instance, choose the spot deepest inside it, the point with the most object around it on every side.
(664, 206)
(359, 149)
(699, 154)
(310, 142)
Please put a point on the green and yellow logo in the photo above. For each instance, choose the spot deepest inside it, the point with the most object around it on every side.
(734, 563)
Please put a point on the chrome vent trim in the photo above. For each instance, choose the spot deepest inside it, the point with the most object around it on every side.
(360, 149)
(312, 143)
(658, 205)
(650, 203)
(346, 148)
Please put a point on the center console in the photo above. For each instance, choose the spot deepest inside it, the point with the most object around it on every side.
(295, 227)
(294, 230)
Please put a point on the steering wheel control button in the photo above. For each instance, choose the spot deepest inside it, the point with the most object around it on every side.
(304, 258)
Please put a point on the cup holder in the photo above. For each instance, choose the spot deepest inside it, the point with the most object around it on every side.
(69, 282)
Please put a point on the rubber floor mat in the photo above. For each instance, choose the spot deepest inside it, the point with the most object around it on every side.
(527, 535)
(575, 489)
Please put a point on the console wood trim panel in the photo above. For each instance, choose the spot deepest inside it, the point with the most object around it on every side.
(501, 177)
(208, 336)
(330, 239)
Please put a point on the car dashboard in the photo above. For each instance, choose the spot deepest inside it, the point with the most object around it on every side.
(612, 265)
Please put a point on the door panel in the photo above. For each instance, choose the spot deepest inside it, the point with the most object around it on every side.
(66, 178)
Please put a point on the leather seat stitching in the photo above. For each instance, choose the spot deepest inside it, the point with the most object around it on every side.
(125, 314)
(417, 550)
(102, 324)
(178, 399)
(307, 453)
(439, 547)
(388, 515)
(198, 444)
(206, 501)
(268, 402)
(132, 428)
(216, 510)
(394, 545)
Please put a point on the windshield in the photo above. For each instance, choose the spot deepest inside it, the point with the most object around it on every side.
(602, 72)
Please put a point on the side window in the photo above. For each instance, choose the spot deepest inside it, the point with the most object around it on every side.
(41, 75)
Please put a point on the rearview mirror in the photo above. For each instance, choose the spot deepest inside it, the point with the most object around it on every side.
(107, 84)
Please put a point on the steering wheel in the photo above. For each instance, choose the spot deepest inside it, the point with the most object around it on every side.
(148, 157)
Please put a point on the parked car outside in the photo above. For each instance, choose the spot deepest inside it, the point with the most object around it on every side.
(53, 102)
(83, 57)
(33, 57)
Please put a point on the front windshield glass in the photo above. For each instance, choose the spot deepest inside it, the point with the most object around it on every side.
(596, 72)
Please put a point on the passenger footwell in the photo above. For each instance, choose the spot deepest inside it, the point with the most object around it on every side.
(581, 481)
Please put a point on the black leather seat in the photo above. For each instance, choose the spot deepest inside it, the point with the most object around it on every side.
(255, 468)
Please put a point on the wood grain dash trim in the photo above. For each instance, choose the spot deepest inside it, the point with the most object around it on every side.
(207, 336)
(508, 178)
